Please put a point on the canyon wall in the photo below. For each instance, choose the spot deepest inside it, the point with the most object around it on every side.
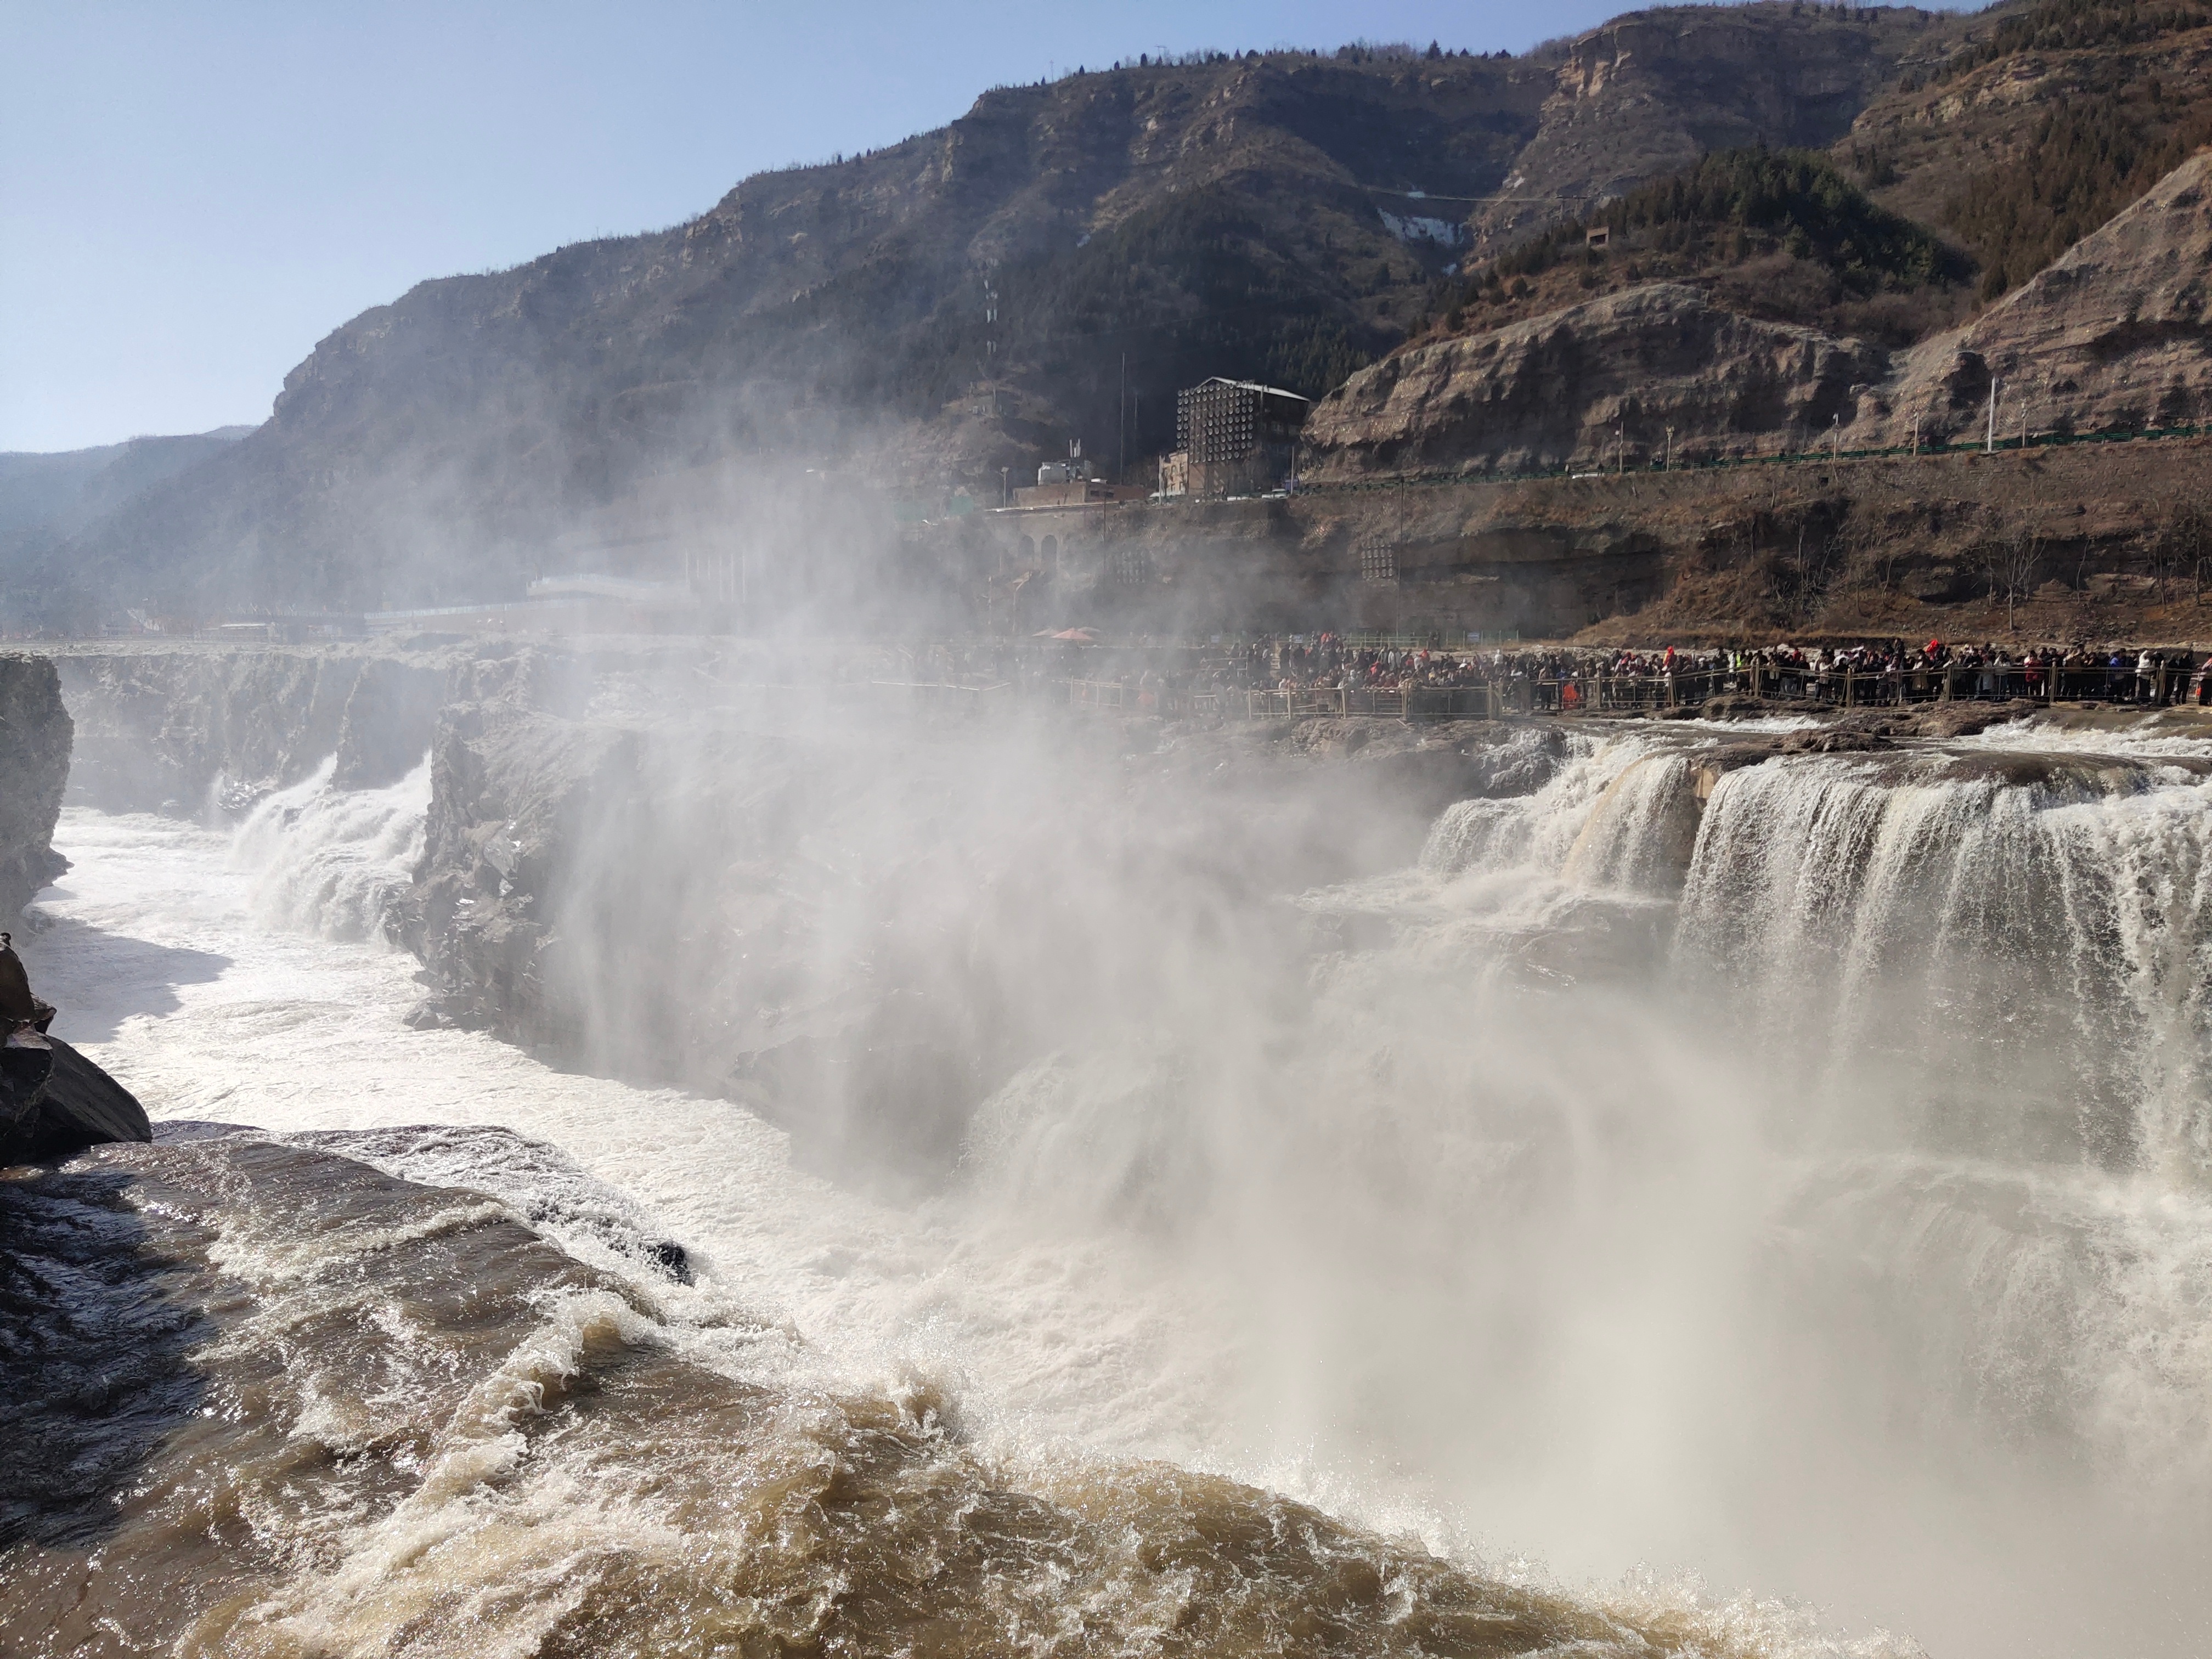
(35, 732)
(160, 729)
(764, 875)
(643, 860)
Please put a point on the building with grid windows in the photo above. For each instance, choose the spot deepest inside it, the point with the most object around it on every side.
(1233, 438)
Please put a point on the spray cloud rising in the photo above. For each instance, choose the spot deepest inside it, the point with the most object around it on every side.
(1588, 1156)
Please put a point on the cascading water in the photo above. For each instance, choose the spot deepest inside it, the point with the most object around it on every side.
(337, 862)
(1790, 1173)
(2034, 943)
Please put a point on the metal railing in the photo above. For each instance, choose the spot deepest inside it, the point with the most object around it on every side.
(1596, 692)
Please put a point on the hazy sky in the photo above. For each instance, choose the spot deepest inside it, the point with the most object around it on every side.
(192, 195)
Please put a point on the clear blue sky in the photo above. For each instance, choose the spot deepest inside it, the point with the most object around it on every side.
(192, 195)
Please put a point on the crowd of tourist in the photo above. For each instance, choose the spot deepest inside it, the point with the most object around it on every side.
(1887, 672)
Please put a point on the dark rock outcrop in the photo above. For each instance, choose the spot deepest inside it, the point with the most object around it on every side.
(35, 732)
(79, 1105)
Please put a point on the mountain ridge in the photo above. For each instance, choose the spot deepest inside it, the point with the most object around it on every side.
(949, 310)
(837, 315)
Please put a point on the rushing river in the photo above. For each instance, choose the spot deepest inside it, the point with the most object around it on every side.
(1759, 1225)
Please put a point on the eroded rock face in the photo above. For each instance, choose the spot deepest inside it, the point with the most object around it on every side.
(1544, 391)
(514, 788)
(1652, 91)
(158, 730)
(2115, 334)
(35, 736)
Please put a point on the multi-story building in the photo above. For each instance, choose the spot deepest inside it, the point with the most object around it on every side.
(1234, 437)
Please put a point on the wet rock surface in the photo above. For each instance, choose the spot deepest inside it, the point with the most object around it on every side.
(76, 1105)
(127, 1397)
(275, 1401)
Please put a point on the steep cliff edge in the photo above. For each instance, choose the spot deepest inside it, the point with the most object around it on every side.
(160, 728)
(35, 736)
(2116, 333)
(1553, 389)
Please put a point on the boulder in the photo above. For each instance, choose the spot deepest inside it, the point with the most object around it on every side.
(78, 1105)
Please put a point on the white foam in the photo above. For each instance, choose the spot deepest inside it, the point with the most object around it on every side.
(1387, 1229)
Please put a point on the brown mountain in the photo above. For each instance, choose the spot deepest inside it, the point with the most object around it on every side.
(1283, 215)
(2116, 335)
(1651, 91)
(2048, 145)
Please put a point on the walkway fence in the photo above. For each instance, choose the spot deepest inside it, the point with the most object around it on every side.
(1600, 693)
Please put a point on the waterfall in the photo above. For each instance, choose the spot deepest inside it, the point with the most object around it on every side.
(1787, 1166)
(1540, 828)
(2030, 943)
(337, 862)
(1640, 831)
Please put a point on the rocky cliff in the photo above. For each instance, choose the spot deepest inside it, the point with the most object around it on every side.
(2054, 147)
(52, 1099)
(35, 736)
(2116, 334)
(1651, 91)
(161, 728)
(1569, 385)
(1281, 214)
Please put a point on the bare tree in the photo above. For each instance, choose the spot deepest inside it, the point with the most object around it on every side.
(2013, 560)
(2184, 544)
(1799, 580)
(1888, 550)
(2167, 555)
